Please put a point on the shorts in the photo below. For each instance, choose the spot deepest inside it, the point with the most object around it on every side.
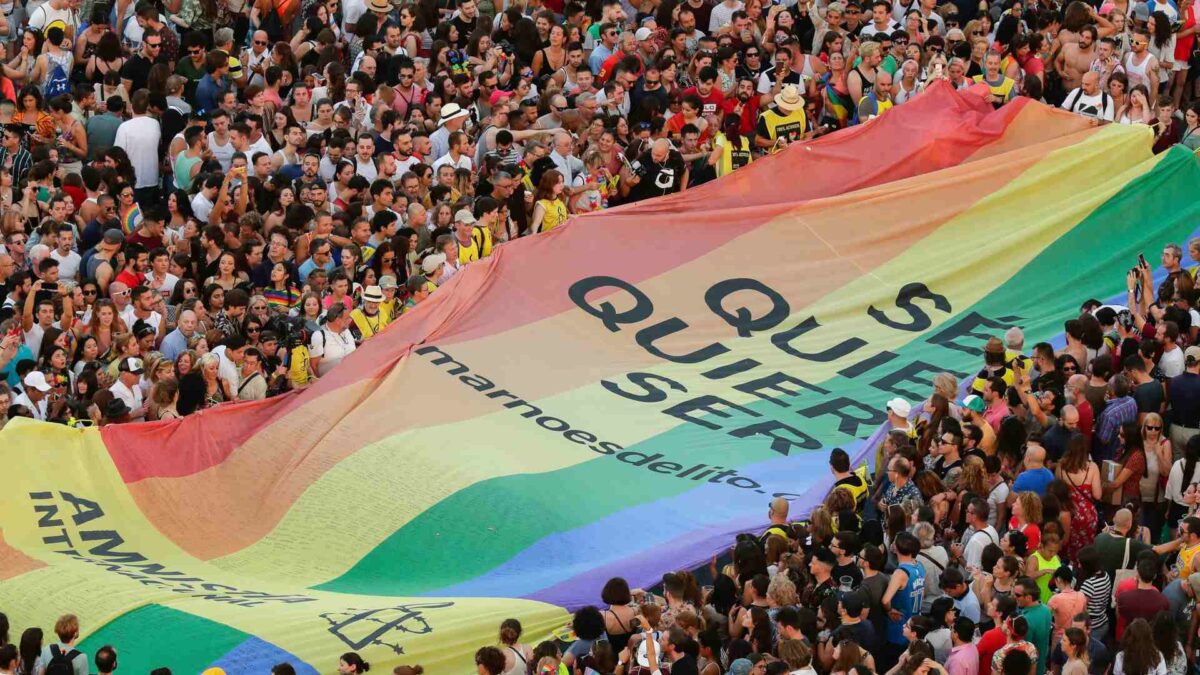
(1178, 65)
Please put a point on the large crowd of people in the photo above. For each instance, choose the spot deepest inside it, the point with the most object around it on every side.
(206, 201)
(211, 201)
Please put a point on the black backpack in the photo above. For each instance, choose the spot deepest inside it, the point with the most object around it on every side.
(60, 663)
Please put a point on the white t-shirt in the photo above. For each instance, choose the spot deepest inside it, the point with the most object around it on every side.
(331, 348)
(228, 370)
(1171, 363)
(998, 496)
(202, 207)
(139, 137)
(131, 397)
(166, 287)
(463, 162)
(973, 551)
(46, 17)
(1099, 106)
(68, 265)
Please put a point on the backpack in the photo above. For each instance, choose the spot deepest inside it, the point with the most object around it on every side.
(1079, 94)
(61, 663)
(58, 83)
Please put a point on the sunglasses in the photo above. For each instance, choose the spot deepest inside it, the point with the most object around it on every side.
(91, 292)
(253, 331)
(260, 42)
(1153, 428)
(154, 45)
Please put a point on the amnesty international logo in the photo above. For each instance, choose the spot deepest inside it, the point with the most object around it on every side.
(385, 627)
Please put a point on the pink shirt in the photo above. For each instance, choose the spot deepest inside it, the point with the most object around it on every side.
(963, 660)
(1065, 605)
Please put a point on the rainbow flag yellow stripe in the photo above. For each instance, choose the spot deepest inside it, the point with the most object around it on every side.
(617, 397)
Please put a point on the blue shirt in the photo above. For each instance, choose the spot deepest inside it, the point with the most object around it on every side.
(968, 605)
(174, 344)
(1034, 480)
(1117, 412)
(310, 265)
(9, 372)
(907, 601)
(208, 93)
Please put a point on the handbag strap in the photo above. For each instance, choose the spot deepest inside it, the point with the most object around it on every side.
(1125, 560)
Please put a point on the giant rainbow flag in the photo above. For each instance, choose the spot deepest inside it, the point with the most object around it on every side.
(619, 396)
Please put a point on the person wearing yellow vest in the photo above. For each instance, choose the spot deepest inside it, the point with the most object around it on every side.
(368, 319)
(783, 121)
(1002, 88)
(852, 482)
(878, 100)
(731, 150)
(549, 206)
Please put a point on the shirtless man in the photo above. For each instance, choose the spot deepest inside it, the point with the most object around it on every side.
(1076, 59)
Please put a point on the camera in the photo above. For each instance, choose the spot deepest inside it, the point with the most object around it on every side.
(291, 331)
(506, 47)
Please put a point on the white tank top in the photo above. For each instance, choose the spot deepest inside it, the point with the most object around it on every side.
(1136, 73)
(222, 153)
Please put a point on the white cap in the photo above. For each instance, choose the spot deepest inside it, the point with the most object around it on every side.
(37, 380)
(899, 406)
(433, 262)
(643, 33)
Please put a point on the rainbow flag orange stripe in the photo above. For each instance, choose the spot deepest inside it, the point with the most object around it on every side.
(619, 396)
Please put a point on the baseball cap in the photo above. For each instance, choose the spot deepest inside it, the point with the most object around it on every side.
(899, 406)
(643, 33)
(498, 96)
(114, 236)
(464, 216)
(1192, 354)
(37, 380)
(973, 402)
(130, 365)
(387, 281)
(433, 262)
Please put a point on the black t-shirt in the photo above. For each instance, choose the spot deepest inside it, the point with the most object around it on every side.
(1185, 400)
(851, 570)
(1055, 441)
(137, 71)
(657, 179)
(1149, 396)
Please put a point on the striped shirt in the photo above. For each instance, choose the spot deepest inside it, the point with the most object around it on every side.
(1098, 590)
(281, 300)
(21, 161)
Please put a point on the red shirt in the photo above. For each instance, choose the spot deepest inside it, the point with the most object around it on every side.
(1086, 419)
(713, 103)
(989, 643)
(130, 279)
(749, 113)
(676, 123)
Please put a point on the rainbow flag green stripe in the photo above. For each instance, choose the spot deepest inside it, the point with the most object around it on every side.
(669, 366)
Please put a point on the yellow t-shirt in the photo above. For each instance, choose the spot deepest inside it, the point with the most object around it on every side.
(298, 371)
(556, 213)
